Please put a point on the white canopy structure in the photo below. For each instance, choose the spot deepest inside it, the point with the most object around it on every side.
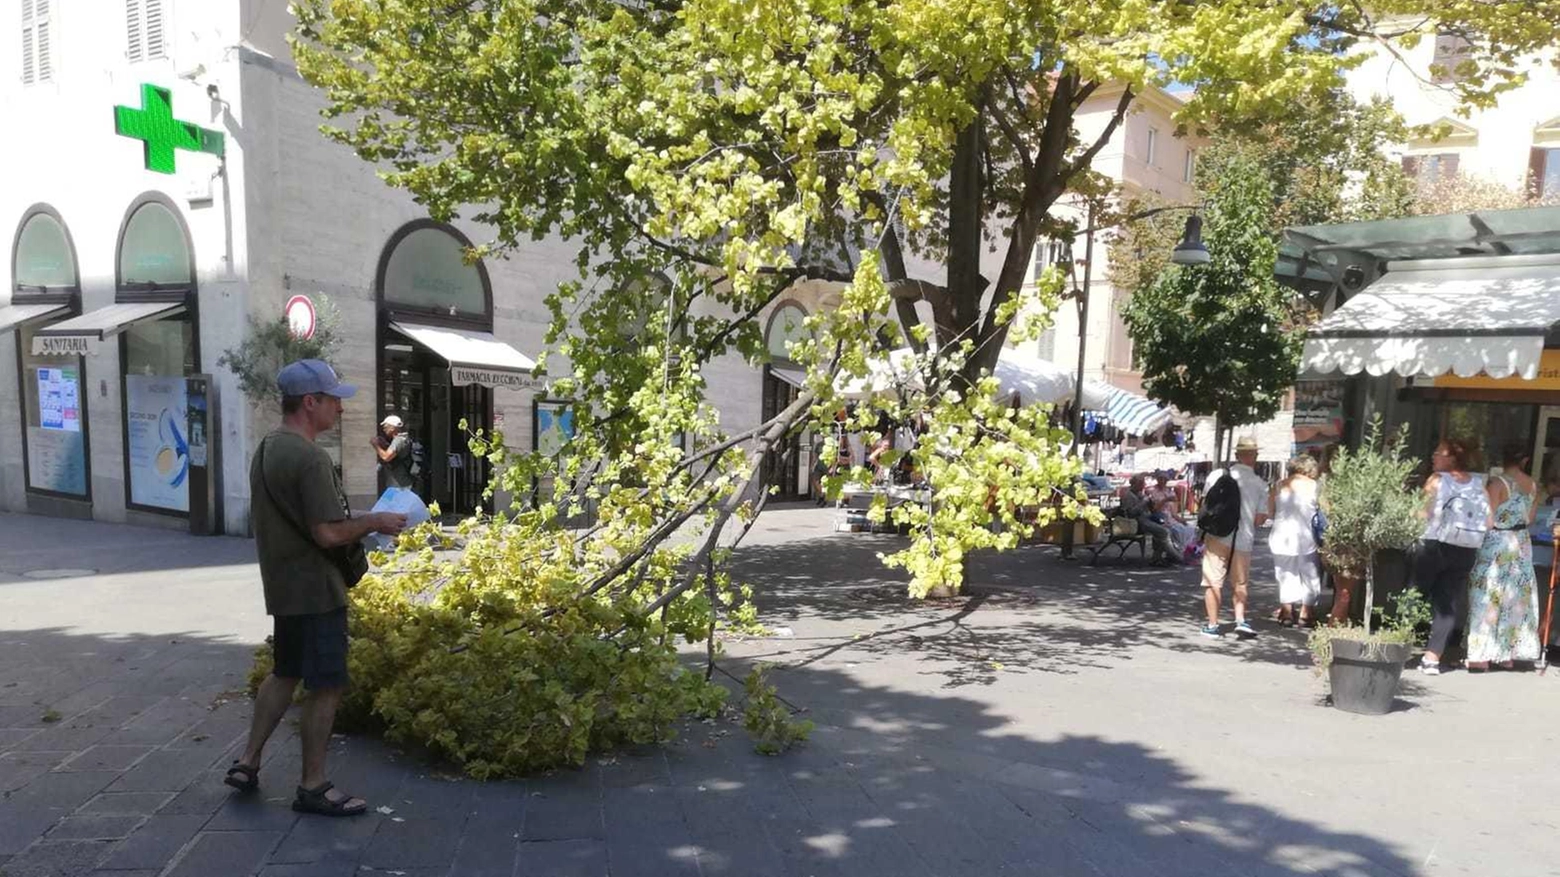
(1429, 317)
(1024, 377)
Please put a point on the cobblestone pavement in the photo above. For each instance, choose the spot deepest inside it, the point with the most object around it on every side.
(1056, 720)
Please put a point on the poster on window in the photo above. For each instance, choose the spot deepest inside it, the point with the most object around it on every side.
(1318, 415)
(58, 399)
(554, 427)
(157, 420)
(56, 446)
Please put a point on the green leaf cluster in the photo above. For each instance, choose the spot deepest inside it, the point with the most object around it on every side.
(767, 719)
(1370, 506)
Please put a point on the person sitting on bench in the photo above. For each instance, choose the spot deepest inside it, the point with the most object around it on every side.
(1135, 506)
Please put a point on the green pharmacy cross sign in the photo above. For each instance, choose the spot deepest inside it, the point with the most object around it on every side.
(154, 124)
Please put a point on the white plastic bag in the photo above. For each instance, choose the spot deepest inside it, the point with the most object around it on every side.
(399, 500)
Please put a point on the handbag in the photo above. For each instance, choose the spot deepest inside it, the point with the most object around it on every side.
(349, 559)
(1318, 526)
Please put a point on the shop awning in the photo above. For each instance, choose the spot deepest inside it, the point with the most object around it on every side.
(14, 315)
(794, 375)
(475, 357)
(1134, 414)
(1465, 316)
(79, 336)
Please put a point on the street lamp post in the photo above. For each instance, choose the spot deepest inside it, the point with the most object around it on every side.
(1189, 251)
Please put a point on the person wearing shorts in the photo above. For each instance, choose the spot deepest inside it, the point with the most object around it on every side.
(1229, 559)
(298, 511)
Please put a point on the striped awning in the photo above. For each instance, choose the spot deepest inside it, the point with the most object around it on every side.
(1134, 414)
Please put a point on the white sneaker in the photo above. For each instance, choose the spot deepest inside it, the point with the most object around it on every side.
(1430, 669)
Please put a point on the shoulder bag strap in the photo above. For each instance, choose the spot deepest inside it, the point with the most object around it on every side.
(265, 484)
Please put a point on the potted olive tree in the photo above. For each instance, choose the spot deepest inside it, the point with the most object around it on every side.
(1370, 509)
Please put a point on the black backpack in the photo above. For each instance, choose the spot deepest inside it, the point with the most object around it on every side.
(1220, 515)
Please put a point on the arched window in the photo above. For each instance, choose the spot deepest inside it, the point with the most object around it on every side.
(45, 289)
(154, 250)
(424, 269)
(43, 259)
(787, 325)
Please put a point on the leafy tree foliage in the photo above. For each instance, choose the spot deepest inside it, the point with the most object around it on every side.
(1326, 161)
(271, 344)
(1370, 505)
(733, 148)
(1222, 338)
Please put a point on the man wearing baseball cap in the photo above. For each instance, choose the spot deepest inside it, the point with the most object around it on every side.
(394, 448)
(298, 512)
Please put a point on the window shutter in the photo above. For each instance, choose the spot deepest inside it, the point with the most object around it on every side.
(1411, 165)
(41, 51)
(29, 71)
(135, 48)
(1047, 345)
(1448, 165)
(154, 28)
(1535, 180)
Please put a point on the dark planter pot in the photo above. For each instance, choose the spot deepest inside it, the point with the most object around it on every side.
(1365, 685)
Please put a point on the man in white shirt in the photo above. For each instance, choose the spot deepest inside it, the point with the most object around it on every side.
(1221, 559)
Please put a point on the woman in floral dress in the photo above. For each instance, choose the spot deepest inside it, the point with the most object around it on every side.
(1503, 592)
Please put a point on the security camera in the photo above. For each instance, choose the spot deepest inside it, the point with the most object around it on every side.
(193, 73)
(1353, 277)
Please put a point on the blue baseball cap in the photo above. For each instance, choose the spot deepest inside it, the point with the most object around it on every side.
(309, 376)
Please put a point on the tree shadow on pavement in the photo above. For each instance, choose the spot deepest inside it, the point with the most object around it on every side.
(892, 783)
(1025, 609)
(902, 783)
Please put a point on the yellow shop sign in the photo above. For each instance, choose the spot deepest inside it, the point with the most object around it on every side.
(1548, 378)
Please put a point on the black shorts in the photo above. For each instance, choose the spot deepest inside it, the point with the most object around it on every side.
(312, 648)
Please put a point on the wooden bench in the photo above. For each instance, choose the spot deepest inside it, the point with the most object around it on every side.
(1121, 533)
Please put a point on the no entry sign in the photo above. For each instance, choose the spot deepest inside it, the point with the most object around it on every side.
(300, 316)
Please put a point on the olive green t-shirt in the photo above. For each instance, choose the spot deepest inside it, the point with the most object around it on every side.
(303, 491)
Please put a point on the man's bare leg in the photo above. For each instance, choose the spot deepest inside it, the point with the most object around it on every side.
(1240, 577)
(319, 714)
(1215, 568)
(271, 703)
(1212, 597)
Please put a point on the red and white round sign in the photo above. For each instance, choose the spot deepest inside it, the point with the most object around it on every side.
(300, 316)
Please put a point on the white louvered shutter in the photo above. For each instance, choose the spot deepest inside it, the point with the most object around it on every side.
(29, 74)
(41, 51)
(135, 46)
(43, 64)
(154, 28)
(29, 58)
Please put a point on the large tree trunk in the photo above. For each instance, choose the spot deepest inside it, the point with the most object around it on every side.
(965, 214)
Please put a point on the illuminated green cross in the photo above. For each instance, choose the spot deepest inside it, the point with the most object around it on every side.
(154, 123)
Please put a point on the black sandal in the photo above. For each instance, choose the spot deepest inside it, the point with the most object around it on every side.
(314, 801)
(243, 777)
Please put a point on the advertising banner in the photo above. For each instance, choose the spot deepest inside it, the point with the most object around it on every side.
(156, 414)
(1318, 415)
(56, 447)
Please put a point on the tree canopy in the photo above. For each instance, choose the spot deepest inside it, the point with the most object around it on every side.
(1222, 338)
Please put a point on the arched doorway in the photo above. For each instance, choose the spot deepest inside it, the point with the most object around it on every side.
(438, 359)
(783, 380)
(45, 288)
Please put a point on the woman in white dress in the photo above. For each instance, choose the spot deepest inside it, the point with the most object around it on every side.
(1292, 507)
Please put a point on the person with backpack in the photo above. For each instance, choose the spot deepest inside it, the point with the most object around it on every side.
(1235, 505)
(1457, 515)
(394, 448)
